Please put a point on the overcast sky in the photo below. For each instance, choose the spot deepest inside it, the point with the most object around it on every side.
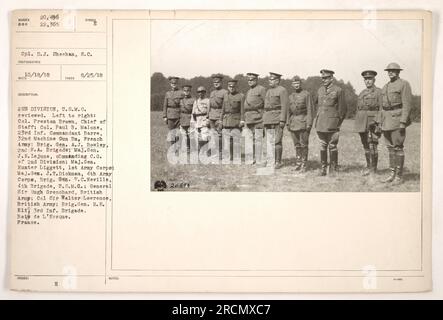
(188, 48)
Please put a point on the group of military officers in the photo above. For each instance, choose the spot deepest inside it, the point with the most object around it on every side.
(379, 112)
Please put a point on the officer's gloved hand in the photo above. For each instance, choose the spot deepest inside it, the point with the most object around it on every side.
(165, 120)
(282, 124)
(242, 123)
(375, 129)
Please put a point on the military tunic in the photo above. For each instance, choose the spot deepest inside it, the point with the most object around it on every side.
(299, 119)
(368, 108)
(171, 104)
(331, 108)
(253, 105)
(252, 115)
(397, 104)
(276, 103)
(330, 115)
(300, 111)
(275, 111)
(216, 99)
(232, 110)
(171, 108)
(200, 113)
(186, 106)
(199, 119)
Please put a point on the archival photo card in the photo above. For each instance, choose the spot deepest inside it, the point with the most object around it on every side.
(299, 145)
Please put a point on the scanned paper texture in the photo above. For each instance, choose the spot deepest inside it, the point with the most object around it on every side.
(220, 151)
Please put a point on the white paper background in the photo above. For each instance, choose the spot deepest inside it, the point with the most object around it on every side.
(434, 5)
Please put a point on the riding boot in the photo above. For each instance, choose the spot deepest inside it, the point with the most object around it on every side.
(188, 144)
(374, 159)
(367, 170)
(220, 147)
(324, 162)
(392, 167)
(231, 149)
(278, 156)
(400, 160)
(298, 151)
(304, 158)
(333, 167)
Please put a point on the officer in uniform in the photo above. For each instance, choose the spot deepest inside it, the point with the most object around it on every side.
(395, 117)
(231, 114)
(171, 107)
(252, 115)
(186, 105)
(300, 122)
(199, 117)
(216, 98)
(274, 116)
(330, 115)
(368, 107)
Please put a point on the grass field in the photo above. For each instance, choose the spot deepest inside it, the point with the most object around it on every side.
(221, 177)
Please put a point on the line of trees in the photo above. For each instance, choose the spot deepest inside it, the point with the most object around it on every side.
(160, 84)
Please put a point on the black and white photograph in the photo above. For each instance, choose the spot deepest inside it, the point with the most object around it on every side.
(285, 105)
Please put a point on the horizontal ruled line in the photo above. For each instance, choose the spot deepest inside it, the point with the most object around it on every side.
(60, 64)
(58, 48)
(20, 31)
(229, 276)
(60, 80)
(262, 270)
